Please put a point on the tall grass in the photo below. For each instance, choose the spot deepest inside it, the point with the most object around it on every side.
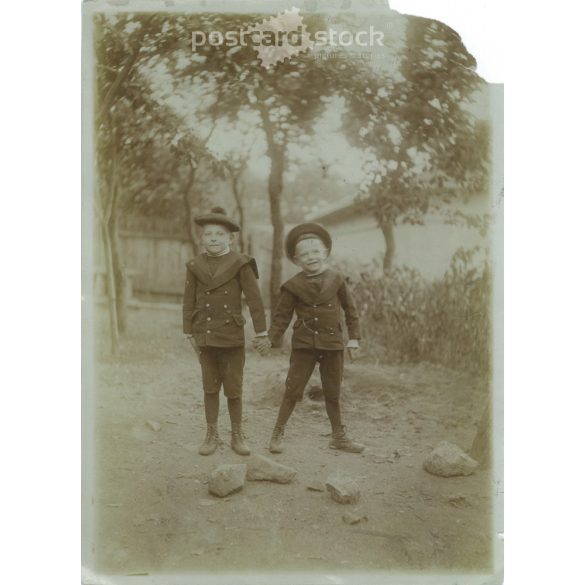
(405, 318)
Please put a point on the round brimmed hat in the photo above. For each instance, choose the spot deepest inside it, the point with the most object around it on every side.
(217, 216)
(304, 231)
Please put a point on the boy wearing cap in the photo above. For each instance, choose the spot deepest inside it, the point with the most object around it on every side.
(317, 295)
(214, 324)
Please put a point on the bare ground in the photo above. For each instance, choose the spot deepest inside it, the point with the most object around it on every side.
(153, 510)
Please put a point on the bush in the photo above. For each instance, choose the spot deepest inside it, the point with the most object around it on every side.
(405, 318)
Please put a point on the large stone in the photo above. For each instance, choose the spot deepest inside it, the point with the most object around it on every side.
(343, 489)
(448, 460)
(262, 468)
(227, 479)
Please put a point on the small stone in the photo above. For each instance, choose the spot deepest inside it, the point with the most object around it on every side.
(315, 487)
(448, 460)
(316, 393)
(458, 501)
(343, 489)
(153, 425)
(227, 479)
(350, 518)
(262, 468)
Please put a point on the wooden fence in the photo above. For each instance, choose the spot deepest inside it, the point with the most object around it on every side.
(157, 262)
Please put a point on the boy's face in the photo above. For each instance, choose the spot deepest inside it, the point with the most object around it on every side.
(215, 238)
(310, 255)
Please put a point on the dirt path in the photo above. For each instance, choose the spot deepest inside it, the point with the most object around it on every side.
(155, 514)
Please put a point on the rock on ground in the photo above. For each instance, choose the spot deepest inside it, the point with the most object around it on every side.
(448, 460)
(227, 479)
(262, 468)
(343, 489)
(350, 518)
(153, 425)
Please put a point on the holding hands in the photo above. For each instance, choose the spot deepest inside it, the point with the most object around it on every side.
(262, 344)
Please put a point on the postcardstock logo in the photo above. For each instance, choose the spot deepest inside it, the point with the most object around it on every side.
(281, 37)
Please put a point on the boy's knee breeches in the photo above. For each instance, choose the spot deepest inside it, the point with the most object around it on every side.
(223, 366)
(302, 364)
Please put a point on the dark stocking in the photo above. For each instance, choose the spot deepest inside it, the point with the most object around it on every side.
(333, 412)
(286, 407)
(211, 402)
(235, 410)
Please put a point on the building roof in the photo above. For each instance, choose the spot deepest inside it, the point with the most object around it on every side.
(337, 211)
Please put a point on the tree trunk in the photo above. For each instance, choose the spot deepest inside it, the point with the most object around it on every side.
(274, 193)
(114, 268)
(189, 223)
(111, 289)
(114, 276)
(240, 211)
(111, 221)
(387, 227)
(276, 152)
(119, 274)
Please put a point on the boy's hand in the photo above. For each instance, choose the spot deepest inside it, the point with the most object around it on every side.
(193, 344)
(353, 349)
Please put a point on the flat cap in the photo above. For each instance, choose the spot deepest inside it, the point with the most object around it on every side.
(304, 230)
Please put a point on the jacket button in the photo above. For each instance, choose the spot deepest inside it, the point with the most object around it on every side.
(209, 318)
(227, 320)
(316, 318)
(329, 305)
(225, 306)
(225, 292)
(314, 306)
(206, 292)
(208, 331)
(316, 333)
(207, 305)
(331, 333)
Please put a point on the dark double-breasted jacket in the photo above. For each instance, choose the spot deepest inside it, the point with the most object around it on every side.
(212, 304)
(319, 312)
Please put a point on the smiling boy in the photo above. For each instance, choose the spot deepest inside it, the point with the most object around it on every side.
(214, 324)
(318, 295)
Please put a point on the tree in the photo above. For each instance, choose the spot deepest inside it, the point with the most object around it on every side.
(285, 100)
(426, 147)
(131, 129)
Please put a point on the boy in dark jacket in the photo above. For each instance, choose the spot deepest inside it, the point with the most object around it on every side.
(214, 324)
(317, 295)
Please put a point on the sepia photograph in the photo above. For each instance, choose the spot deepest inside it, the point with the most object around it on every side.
(292, 279)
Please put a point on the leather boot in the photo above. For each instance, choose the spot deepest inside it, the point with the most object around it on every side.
(238, 443)
(276, 440)
(211, 441)
(340, 440)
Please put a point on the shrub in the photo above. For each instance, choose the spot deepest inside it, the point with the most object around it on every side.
(405, 318)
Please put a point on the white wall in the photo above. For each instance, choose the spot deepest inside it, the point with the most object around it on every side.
(427, 248)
